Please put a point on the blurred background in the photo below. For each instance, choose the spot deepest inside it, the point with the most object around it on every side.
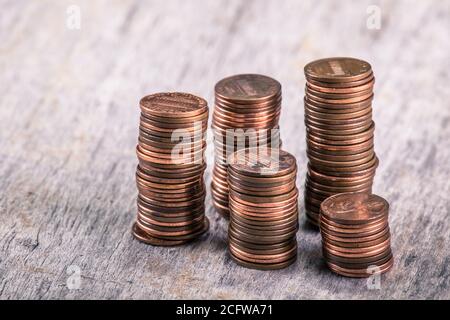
(72, 74)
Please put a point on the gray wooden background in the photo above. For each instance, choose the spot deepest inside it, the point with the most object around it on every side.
(69, 119)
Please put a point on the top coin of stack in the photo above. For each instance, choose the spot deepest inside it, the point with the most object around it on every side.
(355, 234)
(247, 109)
(169, 177)
(340, 130)
(263, 206)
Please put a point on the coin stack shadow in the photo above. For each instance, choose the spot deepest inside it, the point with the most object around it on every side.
(169, 177)
(247, 109)
(339, 130)
(263, 209)
(355, 234)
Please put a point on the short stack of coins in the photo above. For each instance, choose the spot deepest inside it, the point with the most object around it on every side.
(263, 208)
(339, 130)
(246, 113)
(169, 177)
(355, 234)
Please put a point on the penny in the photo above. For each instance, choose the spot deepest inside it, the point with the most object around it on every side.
(345, 85)
(364, 272)
(173, 104)
(354, 207)
(259, 266)
(246, 88)
(355, 87)
(339, 69)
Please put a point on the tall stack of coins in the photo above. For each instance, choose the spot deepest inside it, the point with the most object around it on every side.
(355, 234)
(246, 114)
(169, 177)
(263, 208)
(339, 130)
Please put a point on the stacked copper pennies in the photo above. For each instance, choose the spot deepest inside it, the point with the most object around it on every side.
(246, 114)
(340, 130)
(169, 177)
(355, 234)
(263, 208)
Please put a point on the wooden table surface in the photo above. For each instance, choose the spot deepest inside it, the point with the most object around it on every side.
(69, 113)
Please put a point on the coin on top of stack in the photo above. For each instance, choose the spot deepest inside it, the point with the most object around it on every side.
(263, 208)
(246, 114)
(355, 234)
(169, 177)
(339, 130)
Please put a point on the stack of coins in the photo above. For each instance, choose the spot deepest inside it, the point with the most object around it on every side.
(169, 177)
(339, 130)
(355, 234)
(246, 114)
(263, 208)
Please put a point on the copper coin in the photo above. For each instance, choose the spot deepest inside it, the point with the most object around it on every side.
(247, 88)
(338, 69)
(173, 104)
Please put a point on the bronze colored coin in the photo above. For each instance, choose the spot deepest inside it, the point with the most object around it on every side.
(260, 266)
(328, 222)
(309, 100)
(178, 121)
(345, 85)
(336, 111)
(147, 239)
(263, 200)
(247, 88)
(337, 116)
(265, 258)
(353, 232)
(329, 130)
(318, 161)
(283, 222)
(363, 267)
(338, 96)
(246, 107)
(338, 69)
(177, 235)
(345, 169)
(193, 220)
(368, 84)
(254, 162)
(350, 208)
(194, 123)
(291, 230)
(339, 189)
(334, 137)
(353, 122)
(359, 249)
(340, 129)
(249, 201)
(258, 239)
(262, 192)
(170, 232)
(255, 246)
(263, 214)
(353, 240)
(339, 142)
(330, 257)
(262, 250)
(364, 273)
(173, 104)
(269, 180)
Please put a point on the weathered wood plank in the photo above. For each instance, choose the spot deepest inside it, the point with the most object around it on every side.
(69, 125)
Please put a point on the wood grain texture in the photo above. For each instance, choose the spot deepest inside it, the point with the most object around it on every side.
(69, 118)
